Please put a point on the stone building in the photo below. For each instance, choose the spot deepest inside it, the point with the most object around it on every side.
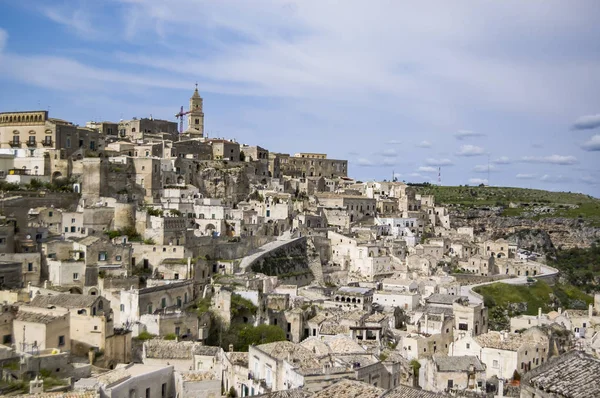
(312, 165)
(445, 374)
(37, 329)
(137, 302)
(91, 320)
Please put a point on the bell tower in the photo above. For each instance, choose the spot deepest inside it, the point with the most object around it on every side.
(196, 115)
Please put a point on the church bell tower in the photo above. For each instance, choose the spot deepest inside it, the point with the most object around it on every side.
(196, 115)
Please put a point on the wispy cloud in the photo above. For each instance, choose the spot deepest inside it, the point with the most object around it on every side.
(439, 162)
(394, 142)
(589, 180)
(484, 168)
(587, 122)
(424, 144)
(478, 181)
(389, 152)
(73, 17)
(593, 144)
(525, 176)
(555, 178)
(470, 150)
(427, 169)
(502, 160)
(552, 159)
(464, 134)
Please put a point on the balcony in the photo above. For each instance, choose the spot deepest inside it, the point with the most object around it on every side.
(14, 144)
(31, 144)
(47, 143)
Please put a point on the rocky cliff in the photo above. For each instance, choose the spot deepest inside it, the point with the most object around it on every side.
(540, 235)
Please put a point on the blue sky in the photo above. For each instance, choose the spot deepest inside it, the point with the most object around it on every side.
(392, 86)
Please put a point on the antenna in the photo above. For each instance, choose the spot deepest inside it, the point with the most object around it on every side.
(488, 171)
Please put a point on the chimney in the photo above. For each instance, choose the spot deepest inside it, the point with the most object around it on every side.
(230, 347)
(539, 313)
(46, 284)
(91, 356)
(559, 311)
(590, 311)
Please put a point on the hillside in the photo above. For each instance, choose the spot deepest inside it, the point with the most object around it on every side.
(540, 220)
(505, 301)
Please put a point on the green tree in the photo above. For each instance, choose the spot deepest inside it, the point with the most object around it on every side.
(242, 156)
(261, 334)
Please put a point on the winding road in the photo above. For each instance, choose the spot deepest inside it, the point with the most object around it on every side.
(476, 298)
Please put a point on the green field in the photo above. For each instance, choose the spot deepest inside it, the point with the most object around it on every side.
(588, 207)
(536, 295)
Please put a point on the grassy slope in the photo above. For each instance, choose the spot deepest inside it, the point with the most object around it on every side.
(589, 207)
(536, 295)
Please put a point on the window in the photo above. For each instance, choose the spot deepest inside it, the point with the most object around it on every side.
(468, 346)
(75, 276)
(15, 140)
(73, 229)
(163, 390)
(68, 143)
(163, 302)
(177, 330)
(149, 308)
(495, 364)
(32, 140)
(101, 256)
(122, 307)
(463, 326)
(95, 327)
(30, 267)
(61, 341)
(148, 392)
(450, 384)
(176, 276)
(50, 214)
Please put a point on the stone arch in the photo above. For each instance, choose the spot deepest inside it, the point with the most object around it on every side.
(180, 180)
(75, 290)
(93, 292)
(56, 175)
(210, 226)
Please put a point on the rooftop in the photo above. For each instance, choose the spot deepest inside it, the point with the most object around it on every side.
(572, 375)
(457, 364)
(409, 392)
(64, 300)
(507, 341)
(37, 317)
(293, 353)
(350, 389)
(446, 299)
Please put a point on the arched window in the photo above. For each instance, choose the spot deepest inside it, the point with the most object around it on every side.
(100, 305)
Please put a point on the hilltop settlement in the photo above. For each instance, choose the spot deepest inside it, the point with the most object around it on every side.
(139, 259)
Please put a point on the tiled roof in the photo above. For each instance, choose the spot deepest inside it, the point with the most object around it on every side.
(409, 392)
(64, 300)
(572, 375)
(457, 364)
(168, 349)
(36, 317)
(291, 352)
(66, 394)
(350, 389)
(510, 341)
(238, 358)
(294, 393)
(443, 299)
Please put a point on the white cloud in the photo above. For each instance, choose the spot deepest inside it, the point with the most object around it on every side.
(427, 169)
(389, 152)
(502, 160)
(75, 18)
(470, 150)
(552, 159)
(439, 162)
(593, 144)
(525, 176)
(554, 178)
(424, 144)
(484, 168)
(463, 134)
(477, 181)
(394, 142)
(587, 122)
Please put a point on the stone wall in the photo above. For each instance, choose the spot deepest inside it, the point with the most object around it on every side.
(289, 263)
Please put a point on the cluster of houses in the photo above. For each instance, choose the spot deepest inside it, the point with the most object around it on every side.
(128, 249)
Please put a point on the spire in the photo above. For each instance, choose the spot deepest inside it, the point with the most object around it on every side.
(196, 94)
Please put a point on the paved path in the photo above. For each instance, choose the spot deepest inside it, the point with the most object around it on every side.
(282, 240)
(476, 298)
